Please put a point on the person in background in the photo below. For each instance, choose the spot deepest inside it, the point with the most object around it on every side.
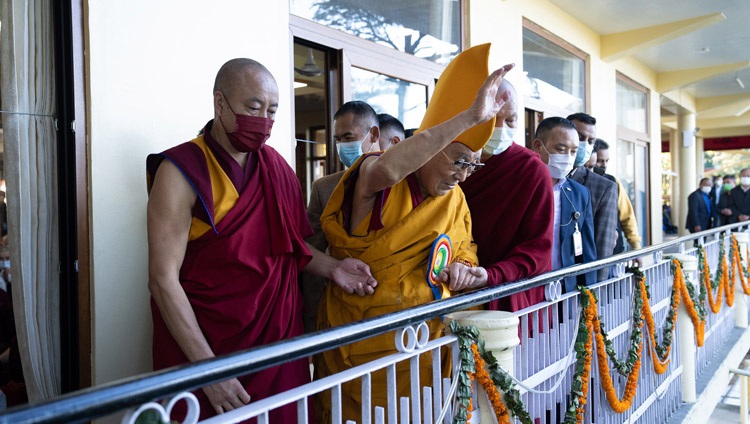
(391, 131)
(591, 163)
(511, 205)
(556, 142)
(603, 192)
(739, 202)
(725, 212)
(226, 228)
(699, 208)
(355, 130)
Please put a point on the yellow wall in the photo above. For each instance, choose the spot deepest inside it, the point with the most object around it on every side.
(500, 22)
(151, 67)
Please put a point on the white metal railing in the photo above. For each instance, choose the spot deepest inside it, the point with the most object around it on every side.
(544, 361)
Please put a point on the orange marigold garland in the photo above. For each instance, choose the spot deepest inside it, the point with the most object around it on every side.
(484, 379)
(660, 352)
(617, 405)
(737, 264)
(476, 361)
(699, 323)
(721, 282)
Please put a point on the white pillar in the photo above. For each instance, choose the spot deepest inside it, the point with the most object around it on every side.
(700, 168)
(688, 181)
(740, 300)
(499, 330)
(686, 330)
(674, 179)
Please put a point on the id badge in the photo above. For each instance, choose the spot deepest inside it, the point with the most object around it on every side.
(577, 243)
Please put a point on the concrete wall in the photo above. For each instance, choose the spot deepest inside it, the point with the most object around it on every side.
(151, 67)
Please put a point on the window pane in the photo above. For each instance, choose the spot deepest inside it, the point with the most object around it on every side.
(405, 100)
(632, 165)
(428, 29)
(553, 74)
(641, 193)
(632, 105)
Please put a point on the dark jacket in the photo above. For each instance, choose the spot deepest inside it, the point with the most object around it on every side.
(581, 203)
(698, 215)
(724, 204)
(739, 202)
(604, 206)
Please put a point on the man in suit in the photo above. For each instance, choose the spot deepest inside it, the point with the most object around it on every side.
(556, 142)
(699, 208)
(739, 201)
(603, 192)
(724, 212)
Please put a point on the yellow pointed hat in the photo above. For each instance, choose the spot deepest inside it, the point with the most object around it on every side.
(456, 90)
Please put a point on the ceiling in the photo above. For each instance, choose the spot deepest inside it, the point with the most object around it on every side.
(696, 45)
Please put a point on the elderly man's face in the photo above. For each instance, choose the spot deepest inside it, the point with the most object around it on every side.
(445, 170)
(508, 116)
(254, 94)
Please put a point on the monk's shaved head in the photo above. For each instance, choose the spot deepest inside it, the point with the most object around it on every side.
(231, 73)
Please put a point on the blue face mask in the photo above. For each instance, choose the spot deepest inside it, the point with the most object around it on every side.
(584, 153)
(350, 151)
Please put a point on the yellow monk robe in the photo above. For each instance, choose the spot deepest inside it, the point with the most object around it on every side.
(397, 255)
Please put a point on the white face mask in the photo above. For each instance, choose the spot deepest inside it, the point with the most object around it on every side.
(4, 263)
(706, 189)
(718, 183)
(745, 181)
(559, 164)
(501, 139)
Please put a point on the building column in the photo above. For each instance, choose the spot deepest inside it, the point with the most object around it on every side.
(688, 180)
(674, 177)
(699, 159)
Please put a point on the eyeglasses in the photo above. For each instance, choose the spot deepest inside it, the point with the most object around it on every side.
(461, 165)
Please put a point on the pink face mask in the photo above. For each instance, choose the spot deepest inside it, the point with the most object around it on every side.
(251, 132)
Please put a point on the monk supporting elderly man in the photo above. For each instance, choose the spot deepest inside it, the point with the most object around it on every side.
(392, 209)
(226, 230)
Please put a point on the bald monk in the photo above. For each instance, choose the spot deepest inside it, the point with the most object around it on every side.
(226, 229)
(391, 207)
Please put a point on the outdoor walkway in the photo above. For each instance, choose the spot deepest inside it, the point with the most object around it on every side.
(728, 410)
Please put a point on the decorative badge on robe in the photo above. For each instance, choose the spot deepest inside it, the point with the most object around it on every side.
(440, 257)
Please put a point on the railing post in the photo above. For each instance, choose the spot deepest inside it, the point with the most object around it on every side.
(499, 330)
(740, 300)
(743, 397)
(686, 331)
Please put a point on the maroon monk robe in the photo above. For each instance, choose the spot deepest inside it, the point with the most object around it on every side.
(241, 276)
(511, 203)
